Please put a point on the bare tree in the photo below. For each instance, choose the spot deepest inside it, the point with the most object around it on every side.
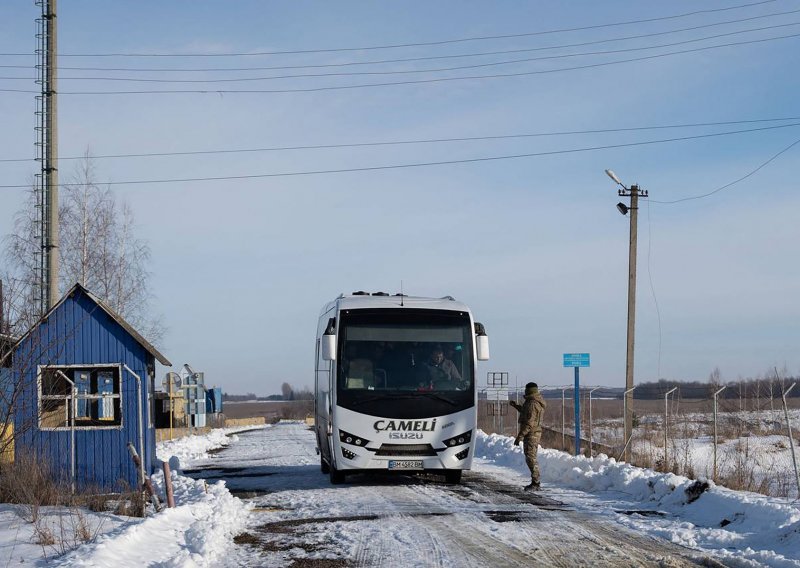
(20, 271)
(304, 394)
(287, 391)
(86, 214)
(715, 379)
(98, 248)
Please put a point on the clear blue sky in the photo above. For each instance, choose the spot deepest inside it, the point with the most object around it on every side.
(240, 268)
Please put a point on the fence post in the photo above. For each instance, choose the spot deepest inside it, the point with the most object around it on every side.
(666, 426)
(494, 416)
(168, 485)
(715, 432)
(758, 405)
(627, 436)
(591, 449)
(791, 439)
(771, 405)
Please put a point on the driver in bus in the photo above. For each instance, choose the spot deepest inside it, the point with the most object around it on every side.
(438, 368)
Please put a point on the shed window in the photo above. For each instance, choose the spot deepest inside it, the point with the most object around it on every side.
(97, 400)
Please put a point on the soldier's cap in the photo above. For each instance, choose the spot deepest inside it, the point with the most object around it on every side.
(531, 386)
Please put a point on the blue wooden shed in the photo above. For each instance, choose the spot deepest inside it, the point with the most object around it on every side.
(88, 383)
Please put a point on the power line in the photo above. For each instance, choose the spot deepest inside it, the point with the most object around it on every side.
(418, 44)
(419, 141)
(727, 185)
(410, 82)
(652, 286)
(429, 164)
(416, 59)
(406, 72)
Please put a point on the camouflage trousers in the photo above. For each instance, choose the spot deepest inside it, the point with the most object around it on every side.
(530, 445)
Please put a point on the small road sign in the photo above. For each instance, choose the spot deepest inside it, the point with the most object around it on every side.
(497, 379)
(576, 359)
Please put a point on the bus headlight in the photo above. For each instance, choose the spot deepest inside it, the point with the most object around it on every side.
(348, 454)
(347, 438)
(458, 440)
(462, 454)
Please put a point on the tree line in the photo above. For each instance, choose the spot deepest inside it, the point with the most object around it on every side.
(287, 393)
(769, 385)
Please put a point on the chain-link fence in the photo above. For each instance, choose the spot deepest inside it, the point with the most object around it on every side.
(742, 440)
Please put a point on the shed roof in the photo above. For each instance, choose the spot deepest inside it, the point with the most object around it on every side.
(77, 288)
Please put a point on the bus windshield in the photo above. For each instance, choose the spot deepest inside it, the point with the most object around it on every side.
(413, 351)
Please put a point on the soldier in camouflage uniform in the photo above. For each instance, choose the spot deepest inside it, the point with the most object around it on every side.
(531, 413)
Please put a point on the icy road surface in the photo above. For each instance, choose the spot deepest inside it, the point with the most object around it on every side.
(299, 519)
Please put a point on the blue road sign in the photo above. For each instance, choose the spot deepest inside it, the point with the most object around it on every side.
(576, 359)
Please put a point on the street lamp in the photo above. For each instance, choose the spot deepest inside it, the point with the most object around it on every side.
(634, 193)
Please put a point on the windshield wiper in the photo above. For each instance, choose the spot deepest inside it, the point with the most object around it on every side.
(372, 398)
(392, 396)
(440, 397)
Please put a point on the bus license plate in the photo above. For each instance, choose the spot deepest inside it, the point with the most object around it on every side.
(405, 464)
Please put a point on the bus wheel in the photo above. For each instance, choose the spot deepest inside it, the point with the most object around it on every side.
(337, 476)
(452, 476)
(323, 465)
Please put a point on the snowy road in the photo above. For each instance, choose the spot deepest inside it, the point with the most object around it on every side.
(300, 519)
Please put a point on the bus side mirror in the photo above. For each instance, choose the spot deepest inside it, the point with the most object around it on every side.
(329, 347)
(482, 344)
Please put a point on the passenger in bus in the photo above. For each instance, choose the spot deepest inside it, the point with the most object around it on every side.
(452, 354)
(438, 369)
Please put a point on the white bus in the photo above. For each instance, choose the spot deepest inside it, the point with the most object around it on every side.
(396, 385)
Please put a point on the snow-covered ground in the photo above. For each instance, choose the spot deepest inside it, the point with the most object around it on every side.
(736, 528)
(753, 450)
(195, 533)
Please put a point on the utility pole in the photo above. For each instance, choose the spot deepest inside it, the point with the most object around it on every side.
(51, 158)
(2, 311)
(634, 192)
(47, 145)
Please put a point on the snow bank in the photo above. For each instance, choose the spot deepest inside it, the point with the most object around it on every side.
(195, 533)
(191, 448)
(736, 524)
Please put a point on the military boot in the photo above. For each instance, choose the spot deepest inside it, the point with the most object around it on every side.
(534, 486)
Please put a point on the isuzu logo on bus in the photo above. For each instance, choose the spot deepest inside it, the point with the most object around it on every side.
(406, 435)
(405, 425)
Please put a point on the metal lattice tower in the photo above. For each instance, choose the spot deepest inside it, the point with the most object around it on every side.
(45, 283)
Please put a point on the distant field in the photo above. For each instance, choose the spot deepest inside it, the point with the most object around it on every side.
(612, 408)
(271, 410)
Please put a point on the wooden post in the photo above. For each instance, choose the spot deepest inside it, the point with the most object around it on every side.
(168, 485)
(146, 485)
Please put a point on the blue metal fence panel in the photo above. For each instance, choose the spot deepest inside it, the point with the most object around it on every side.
(214, 400)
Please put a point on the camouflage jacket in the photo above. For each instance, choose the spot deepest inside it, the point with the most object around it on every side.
(531, 414)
